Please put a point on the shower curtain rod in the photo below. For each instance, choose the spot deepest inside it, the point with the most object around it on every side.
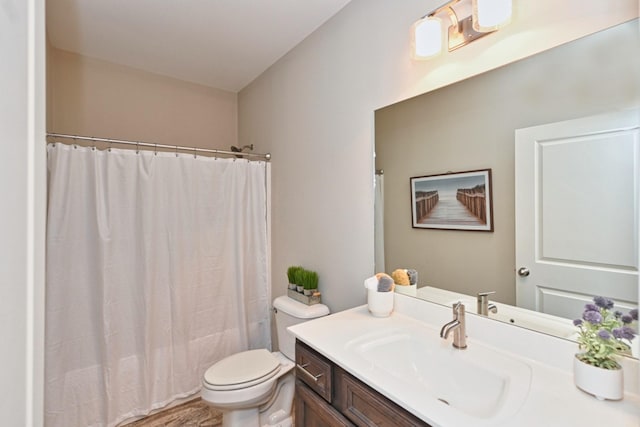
(194, 150)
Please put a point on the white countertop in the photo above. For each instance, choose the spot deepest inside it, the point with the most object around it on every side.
(553, 399)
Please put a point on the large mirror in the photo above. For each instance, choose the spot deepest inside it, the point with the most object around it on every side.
(470, 125)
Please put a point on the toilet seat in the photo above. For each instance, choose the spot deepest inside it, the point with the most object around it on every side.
(242, 370)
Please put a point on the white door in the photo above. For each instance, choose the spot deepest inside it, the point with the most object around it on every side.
(577, 196)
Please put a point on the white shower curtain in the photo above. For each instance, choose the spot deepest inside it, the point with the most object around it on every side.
(156, 268)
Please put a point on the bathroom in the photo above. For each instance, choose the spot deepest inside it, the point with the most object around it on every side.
(316, 103)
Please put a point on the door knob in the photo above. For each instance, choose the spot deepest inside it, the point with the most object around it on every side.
(523, 272)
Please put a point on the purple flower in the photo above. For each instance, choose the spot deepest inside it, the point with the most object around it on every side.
(605, 332)
(591, 307)
(603, 302)
(592, 317)
(624, 333)
(628, 332)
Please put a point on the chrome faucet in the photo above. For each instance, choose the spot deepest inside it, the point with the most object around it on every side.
(458, 326)
(484, 306)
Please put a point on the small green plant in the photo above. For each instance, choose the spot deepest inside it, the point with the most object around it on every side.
(299, 277)
(293, 274)
(604, 333)
(310, 280)
(302, 278)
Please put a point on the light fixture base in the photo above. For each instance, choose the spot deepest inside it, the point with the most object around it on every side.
(463, 34)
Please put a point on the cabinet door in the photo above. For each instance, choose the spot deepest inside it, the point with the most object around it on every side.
(313, 411)
(314, 370)
(366, 408)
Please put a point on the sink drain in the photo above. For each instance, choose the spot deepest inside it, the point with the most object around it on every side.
(443, 401)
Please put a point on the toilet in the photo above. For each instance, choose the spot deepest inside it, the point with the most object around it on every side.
(255, 388)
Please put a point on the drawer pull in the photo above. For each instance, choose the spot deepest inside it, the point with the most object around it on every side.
(314, 378)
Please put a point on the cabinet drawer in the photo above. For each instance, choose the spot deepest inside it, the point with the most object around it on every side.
(366, 407)
(314, 370)
(312, 411)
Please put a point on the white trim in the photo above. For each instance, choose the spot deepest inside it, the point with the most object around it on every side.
(36, 207)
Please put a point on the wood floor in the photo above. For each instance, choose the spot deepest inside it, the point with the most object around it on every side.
(194, 413)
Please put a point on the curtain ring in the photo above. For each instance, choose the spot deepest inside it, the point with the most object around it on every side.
(110, 145)
(195, 152)
(137, 148)
(155, 149)
(176, 151)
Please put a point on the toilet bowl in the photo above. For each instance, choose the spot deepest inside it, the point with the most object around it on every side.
(255, 388)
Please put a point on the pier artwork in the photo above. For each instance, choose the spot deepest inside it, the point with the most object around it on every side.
(474, 199)
(425, 202)
(452, 202)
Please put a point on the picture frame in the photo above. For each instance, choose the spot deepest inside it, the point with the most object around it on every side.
(453, 201)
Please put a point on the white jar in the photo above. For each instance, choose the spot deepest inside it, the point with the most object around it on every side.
(380, 303)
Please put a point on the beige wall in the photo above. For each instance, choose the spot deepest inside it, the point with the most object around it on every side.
(470, 125)
(314, 111)
(97, 98)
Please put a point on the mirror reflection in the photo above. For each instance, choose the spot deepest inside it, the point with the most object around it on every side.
(471, 125)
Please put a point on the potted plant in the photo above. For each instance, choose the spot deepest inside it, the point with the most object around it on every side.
(300, 274)
(310, 282)
(603, 335)
(292, 276)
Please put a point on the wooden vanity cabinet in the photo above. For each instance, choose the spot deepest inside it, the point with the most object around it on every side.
(313, 411)
(328, 396)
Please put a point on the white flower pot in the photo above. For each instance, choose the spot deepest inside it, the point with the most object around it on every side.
(602, 383)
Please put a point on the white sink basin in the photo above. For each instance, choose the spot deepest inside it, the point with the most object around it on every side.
(476, 383)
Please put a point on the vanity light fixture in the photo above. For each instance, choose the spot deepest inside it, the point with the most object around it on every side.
(459, 22)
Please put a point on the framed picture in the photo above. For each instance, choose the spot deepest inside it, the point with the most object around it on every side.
(453, 201)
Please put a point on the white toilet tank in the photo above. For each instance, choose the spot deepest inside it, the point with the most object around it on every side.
(289, 312)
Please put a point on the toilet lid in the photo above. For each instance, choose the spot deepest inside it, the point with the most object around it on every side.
(242, 369)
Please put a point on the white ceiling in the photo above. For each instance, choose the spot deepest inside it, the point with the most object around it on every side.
(219, 43)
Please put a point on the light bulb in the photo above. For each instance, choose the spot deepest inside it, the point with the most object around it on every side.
(489, 15)
(427, 38)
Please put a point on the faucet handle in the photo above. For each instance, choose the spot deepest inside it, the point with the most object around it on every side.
(458, 308)
(484, 294)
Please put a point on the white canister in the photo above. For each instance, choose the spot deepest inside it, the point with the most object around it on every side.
(380, 303)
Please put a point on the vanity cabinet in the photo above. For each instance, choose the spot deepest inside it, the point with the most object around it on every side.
(328, 396)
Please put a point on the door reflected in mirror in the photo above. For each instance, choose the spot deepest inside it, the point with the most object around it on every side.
(471, 125)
